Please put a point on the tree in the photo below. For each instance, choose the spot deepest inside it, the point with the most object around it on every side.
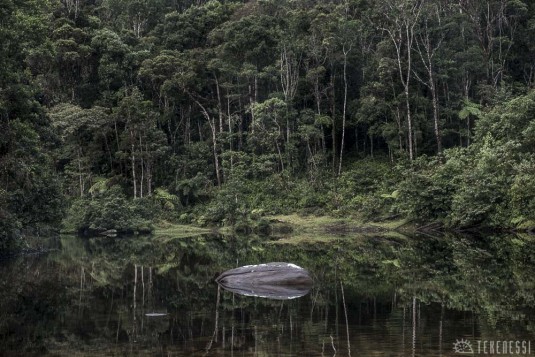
(495, 24)
(430, 37)
(399, 25)
(77, 127)
(269, 121)
(142, 142)
(30, 194)
(347, 33)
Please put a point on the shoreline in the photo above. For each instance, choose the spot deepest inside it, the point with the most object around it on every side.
(296, 224)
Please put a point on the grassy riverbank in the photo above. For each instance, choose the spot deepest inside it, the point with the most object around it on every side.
(292, 228)
(295, 229)
(167, 231)
(332, 224)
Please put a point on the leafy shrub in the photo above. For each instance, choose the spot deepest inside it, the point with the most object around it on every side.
(110, 210)
(10, 232)
(359, 189)
(482, 199)
(522, 194)
(193, 190)
(228, 204)
(426, 191)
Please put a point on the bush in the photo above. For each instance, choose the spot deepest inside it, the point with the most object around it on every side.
(522, 194)
(482, 199)
(10, 232)
(110, 210)
(426, 191)
(360, 189)
(228, 205)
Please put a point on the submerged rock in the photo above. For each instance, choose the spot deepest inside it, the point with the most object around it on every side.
(156, 314)
(272, 280)
(109, 233)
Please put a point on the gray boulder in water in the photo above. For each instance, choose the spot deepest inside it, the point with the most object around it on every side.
(272, 280)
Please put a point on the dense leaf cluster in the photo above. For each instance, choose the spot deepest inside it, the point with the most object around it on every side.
(236, 106)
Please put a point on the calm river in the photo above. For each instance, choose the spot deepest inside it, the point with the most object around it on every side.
(373, 296)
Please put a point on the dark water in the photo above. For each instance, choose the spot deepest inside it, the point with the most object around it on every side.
(372, 296)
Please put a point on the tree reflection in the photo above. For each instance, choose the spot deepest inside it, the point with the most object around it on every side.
(403, 295)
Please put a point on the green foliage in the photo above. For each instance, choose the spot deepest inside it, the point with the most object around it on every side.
(364, 187)
(481, 199)
(168, 201)
(488, 184)
(229, 204)
(468, 109)
(10, 226)
(110, 210)
(522, 193)
(426, 190)
(224, 108)
(30, 197)
(190, 191)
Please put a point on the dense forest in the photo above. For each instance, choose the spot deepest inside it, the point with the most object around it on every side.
(116, 113)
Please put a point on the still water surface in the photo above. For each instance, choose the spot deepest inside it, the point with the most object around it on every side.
(373, 296)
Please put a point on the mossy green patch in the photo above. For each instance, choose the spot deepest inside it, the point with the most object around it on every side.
(295, 222)
(166, 231)
(296, 229)
(392, 224)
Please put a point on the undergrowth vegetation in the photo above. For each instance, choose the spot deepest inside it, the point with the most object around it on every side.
(490, 184)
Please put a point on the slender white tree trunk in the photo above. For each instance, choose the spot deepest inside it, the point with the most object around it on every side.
(133, 159)
(344, 110)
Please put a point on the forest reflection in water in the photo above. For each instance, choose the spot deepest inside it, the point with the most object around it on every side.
(372, 296)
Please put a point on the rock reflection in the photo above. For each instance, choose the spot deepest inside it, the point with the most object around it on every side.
(275, 292)
(371, 296)
(277, 281)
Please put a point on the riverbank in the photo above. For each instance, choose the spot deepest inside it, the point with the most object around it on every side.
(299, 228)
(166, 231)
(332, 224)
(292, 228)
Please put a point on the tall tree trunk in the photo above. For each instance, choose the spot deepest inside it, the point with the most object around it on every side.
(346, 52)
(436, 119)
(333, 114)
(317, 95)
(187, 133)
(221, 115)
(427, 50)
(80, 177)
(219, 104)
(280, 154)
(133, 158)
(289, 78)
(118, 147)
(214, 148)
(251, 103)
(212, 125)
(409, 123)
(401, 34)
(142, 164)
(406, 84)
(466, 89)
(230, 132)
(149, 178)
